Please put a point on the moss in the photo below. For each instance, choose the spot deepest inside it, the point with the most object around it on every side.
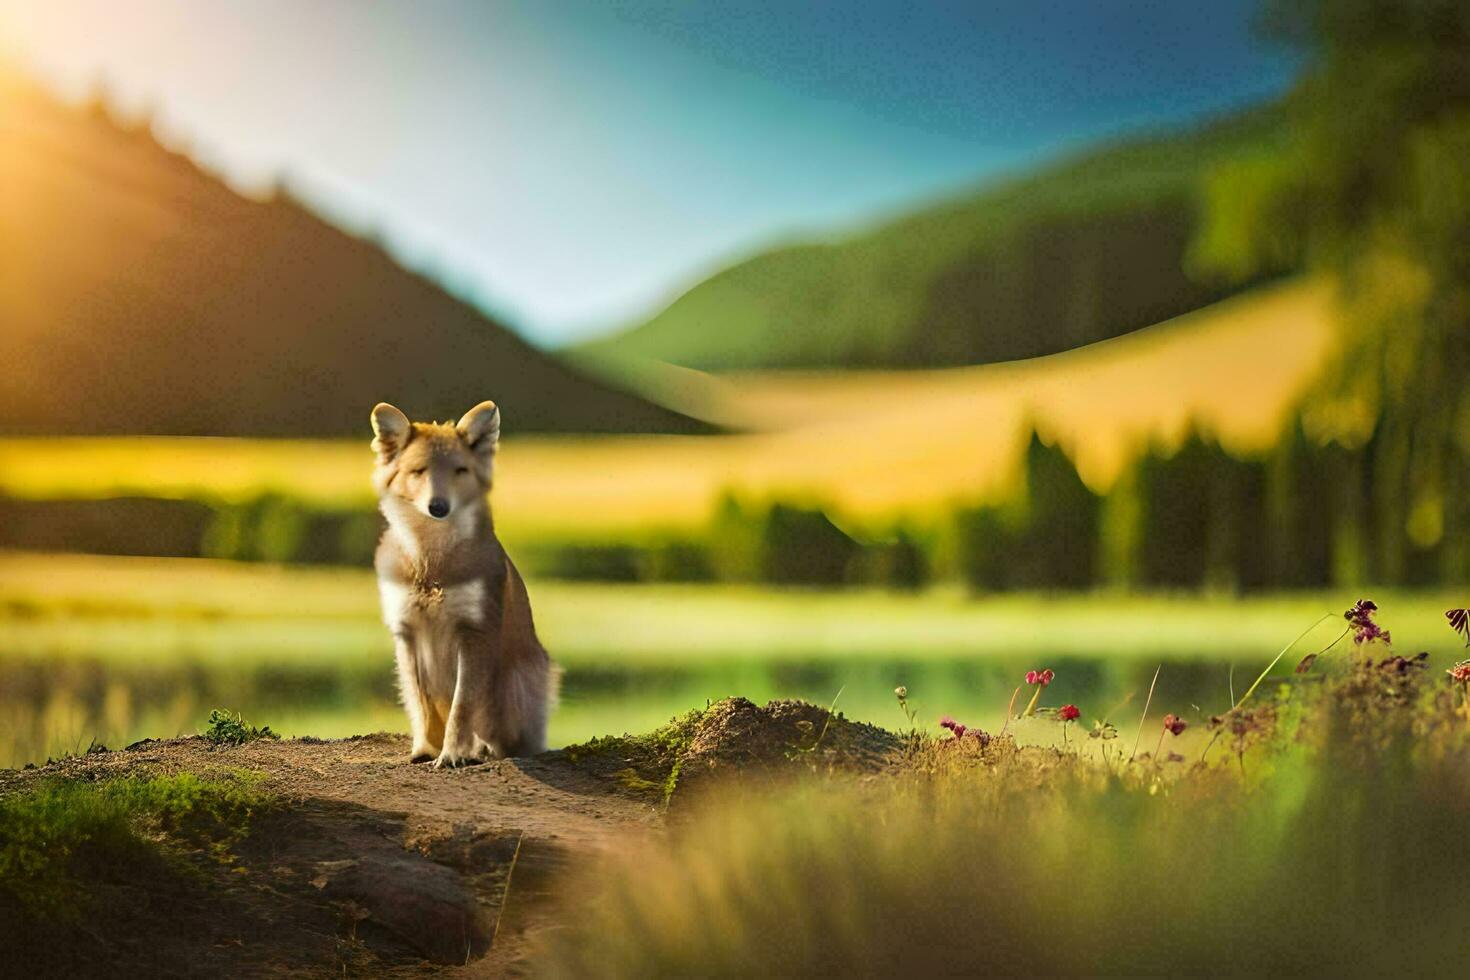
(675, 737)
(61, 835)
(649, 762)
(630, 780)
(672, 782)
(666, 741)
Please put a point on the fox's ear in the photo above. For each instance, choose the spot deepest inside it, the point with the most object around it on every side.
(480, 430)
(390, 431)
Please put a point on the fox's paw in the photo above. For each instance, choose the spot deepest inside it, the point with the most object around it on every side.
(449, 759)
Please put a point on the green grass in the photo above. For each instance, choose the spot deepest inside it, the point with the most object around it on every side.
(59, 837)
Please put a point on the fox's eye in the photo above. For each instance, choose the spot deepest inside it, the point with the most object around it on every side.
(421, 471)
(461, 471)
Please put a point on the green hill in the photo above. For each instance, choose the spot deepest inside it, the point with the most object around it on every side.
(140, 295)
(1087, 249)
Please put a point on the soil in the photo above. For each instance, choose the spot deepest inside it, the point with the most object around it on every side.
(371, 864)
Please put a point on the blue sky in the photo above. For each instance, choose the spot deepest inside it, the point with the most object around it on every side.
(573, 166)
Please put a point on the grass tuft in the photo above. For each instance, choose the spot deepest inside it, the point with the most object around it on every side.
(224, 728)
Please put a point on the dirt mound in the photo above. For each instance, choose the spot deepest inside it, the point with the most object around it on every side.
(736, 734)
(733, 738)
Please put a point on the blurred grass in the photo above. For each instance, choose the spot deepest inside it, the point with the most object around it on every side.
(55, 605)
(1334, 855)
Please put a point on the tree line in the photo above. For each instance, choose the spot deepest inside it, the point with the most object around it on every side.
(1305, 514)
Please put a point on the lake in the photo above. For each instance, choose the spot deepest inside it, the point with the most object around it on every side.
(113, 650)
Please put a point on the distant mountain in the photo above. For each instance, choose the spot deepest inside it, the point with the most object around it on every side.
(1087, 249)
(140, 295)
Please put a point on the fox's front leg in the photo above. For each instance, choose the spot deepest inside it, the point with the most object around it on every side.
(424, 723)
(470, 706)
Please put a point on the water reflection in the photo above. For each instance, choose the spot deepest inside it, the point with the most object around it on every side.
(47, 709)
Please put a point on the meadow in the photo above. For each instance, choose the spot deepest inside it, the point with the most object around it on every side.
(118, 649)
(1323, 836)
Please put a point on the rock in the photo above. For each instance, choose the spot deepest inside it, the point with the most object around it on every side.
(427, 906)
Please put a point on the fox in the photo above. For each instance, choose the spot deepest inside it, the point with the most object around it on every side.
(473, 676)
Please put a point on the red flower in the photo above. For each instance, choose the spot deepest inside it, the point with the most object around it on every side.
(1042, 677)
(1175, 724)
(1068, 712)
(954, 726)
(962, 731)
(1460, 672)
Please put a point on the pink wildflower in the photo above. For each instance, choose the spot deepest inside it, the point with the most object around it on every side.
(1360, 620)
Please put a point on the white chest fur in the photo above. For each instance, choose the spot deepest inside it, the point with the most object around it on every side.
(427, 607)
(430, 618)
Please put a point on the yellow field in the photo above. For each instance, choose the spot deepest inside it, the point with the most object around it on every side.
(873, 444)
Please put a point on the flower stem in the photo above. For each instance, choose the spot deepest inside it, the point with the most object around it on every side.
(1311, 658)
(1031, 705)
(1215, 738)
(1010, 711)
(1145, 713)
(1277, 659)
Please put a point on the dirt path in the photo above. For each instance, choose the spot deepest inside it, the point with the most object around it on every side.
(371, 864)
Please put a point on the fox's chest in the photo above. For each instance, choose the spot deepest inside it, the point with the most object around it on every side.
(433, 609)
